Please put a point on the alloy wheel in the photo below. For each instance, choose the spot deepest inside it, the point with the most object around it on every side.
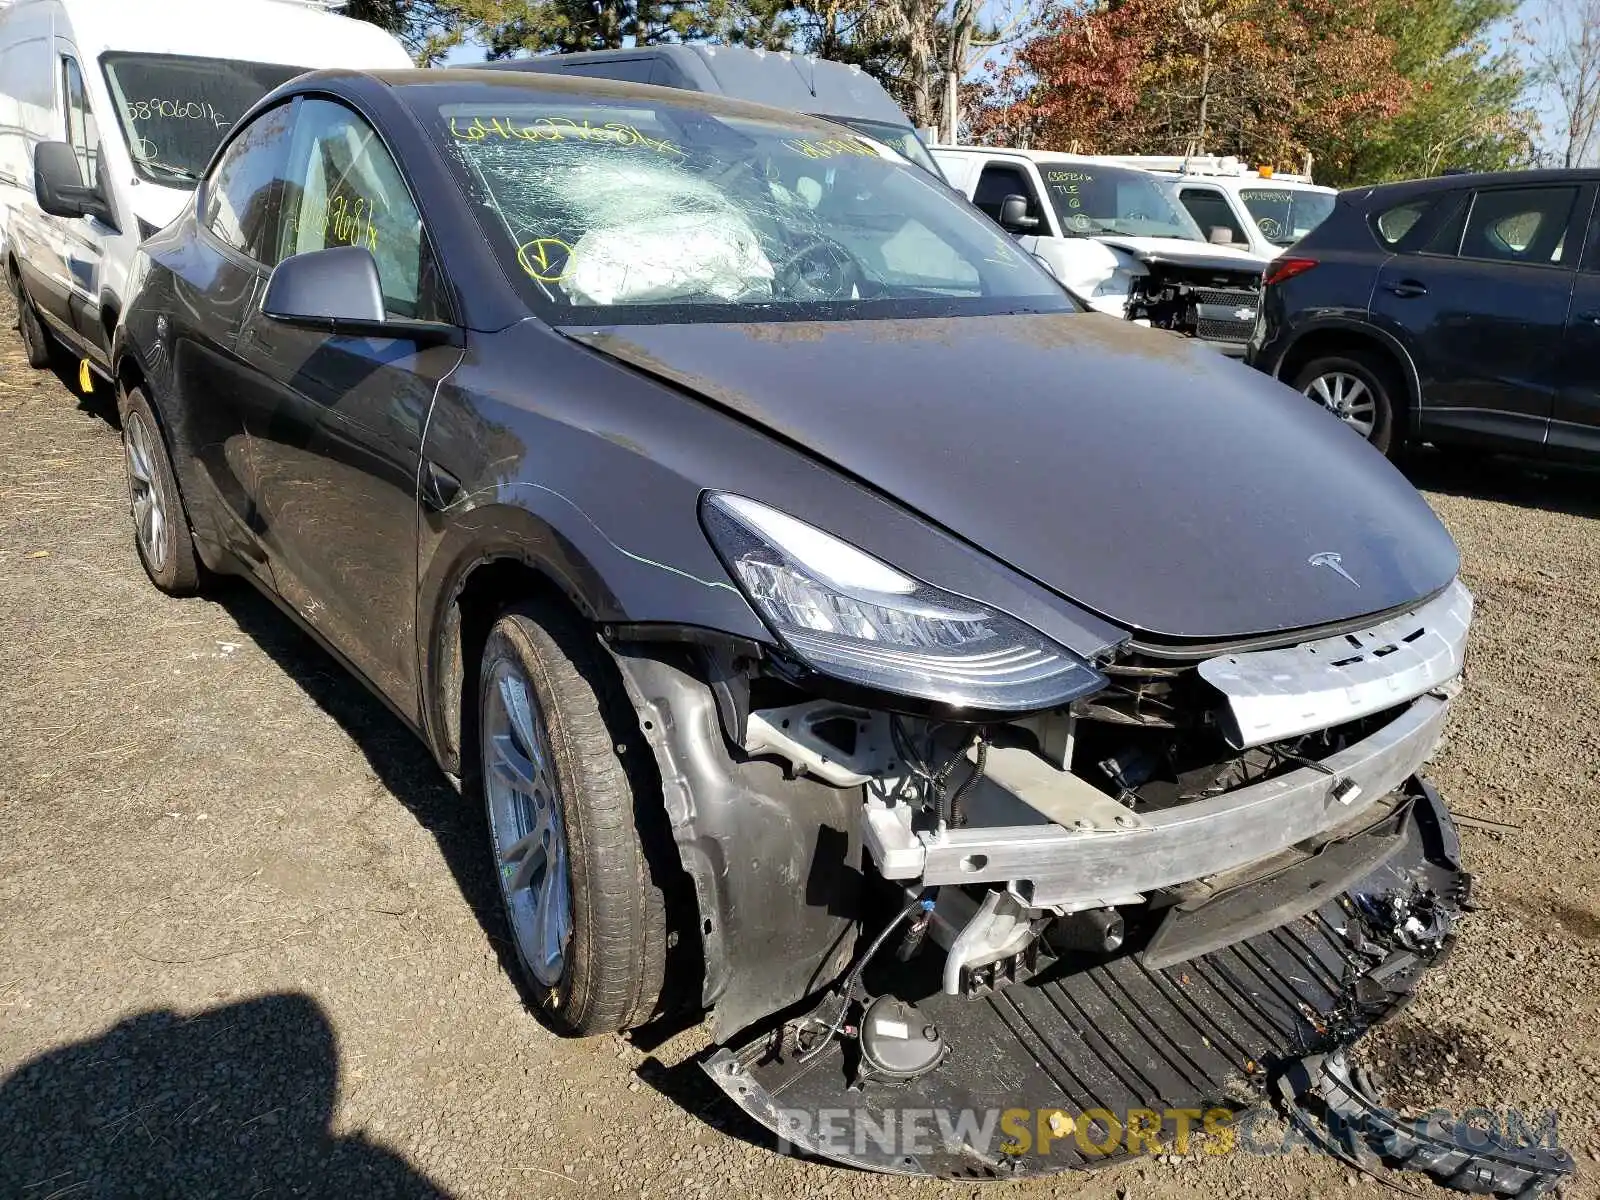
(1348, 398)
(150, 522)
(525, 821)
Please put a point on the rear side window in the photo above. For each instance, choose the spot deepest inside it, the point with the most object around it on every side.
(1211, 211)
(1522, 225)
(1393, 224)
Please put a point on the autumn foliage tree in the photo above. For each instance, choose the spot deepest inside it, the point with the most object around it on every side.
(1261, 78)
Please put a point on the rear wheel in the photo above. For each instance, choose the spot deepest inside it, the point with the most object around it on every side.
(160, 526)
(1357, 389)
(556, 734)
(35, 341)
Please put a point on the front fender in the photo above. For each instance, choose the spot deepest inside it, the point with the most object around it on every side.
(1359, 324)
(545, 530)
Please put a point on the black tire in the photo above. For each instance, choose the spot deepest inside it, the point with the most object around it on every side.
(174, 570)
(35, 339)
(1378, 377)
(614, 967)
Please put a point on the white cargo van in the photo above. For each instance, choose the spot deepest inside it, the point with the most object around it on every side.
(120, 104)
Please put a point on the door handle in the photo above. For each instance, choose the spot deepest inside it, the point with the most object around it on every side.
(1592, 317)
(1407, 288)
(440, 489)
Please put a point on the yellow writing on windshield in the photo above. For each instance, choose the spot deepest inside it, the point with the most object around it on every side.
(557, 129)
(1068, 177)
(831, 148)
(545, 259)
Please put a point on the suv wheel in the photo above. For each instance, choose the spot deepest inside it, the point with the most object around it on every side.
(35, 341)
(1357, 390)
(557, 739)
(160, 526)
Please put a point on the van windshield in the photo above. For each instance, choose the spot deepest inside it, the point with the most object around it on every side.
(1092, 199)
(900, 138)
(658, 212)
(174, 109)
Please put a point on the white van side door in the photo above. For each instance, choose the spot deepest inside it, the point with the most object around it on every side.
(76, 245)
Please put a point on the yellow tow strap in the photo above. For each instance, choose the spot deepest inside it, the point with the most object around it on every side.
(85, 380)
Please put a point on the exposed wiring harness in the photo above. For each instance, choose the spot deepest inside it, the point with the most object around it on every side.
(948, 802)
(847, 985)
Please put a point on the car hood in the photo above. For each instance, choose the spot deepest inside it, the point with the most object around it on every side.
(1134, 472)
(1187, 253)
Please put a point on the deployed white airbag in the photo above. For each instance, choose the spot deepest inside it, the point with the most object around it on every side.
(669, 256)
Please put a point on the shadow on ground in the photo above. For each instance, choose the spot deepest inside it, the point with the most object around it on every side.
(396, 755)
(1557, 488)
(409, 772)
(406, 768)
(235, 1100)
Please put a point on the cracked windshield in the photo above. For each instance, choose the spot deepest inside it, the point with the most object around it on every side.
(599, 205)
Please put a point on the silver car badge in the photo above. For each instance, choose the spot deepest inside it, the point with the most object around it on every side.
(1327, 558)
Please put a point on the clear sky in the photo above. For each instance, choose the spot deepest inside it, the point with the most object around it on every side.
(464, 55)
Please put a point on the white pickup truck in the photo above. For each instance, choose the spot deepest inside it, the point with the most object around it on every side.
(1115, 238)
(1254, 208)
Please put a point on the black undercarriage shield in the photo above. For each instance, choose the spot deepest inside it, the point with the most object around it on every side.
(1081, 1065)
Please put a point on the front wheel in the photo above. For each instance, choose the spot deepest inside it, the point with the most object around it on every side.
(160, 526)
(1358, 391)
(35, 341)
(555, 728)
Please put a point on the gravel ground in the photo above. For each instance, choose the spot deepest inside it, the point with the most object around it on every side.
(249, 945)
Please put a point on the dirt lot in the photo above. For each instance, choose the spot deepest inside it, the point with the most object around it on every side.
(249, 946)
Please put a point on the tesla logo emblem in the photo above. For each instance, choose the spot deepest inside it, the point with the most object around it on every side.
(1327, 558)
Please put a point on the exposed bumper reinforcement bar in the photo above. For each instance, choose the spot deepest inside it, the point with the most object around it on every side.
(1191, 841)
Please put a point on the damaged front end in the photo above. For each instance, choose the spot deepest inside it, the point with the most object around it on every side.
(1216, 304)
(1218, 308)
(1155, 899)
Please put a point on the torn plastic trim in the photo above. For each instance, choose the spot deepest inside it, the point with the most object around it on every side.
(773, 860)
(1082, 1041)
(1277, 694)
(1338, 1107)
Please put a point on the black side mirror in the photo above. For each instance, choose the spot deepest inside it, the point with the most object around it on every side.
(338, 291)
(58, 184)
(1014, 216)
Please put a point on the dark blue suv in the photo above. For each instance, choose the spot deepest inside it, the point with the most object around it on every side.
(1463, 310)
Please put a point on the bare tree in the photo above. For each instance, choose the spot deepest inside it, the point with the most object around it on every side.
(1567, 61)
(974, 28)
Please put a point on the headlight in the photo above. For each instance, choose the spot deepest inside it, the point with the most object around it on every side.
(1118, 283)
(845, 614)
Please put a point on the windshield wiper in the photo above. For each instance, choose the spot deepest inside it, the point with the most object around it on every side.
(170, 169)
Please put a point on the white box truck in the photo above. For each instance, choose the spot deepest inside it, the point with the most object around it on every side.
(138, 93)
